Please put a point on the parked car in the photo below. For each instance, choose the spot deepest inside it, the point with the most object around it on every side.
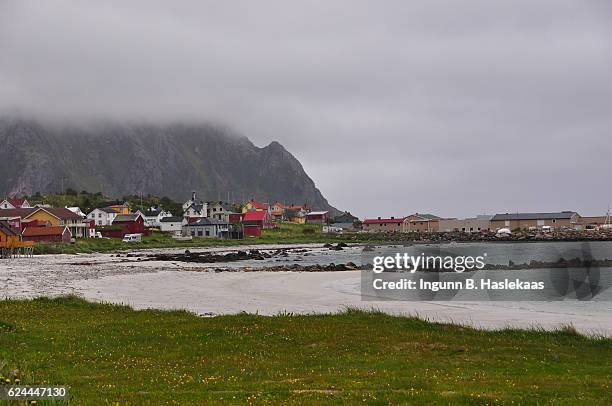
(132, 238)
(548, 229)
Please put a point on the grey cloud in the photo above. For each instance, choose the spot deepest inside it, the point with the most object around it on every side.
(456, 108)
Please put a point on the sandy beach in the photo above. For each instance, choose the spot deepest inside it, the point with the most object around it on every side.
(167, 285)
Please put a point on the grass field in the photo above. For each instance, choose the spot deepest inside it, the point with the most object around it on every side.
(285, 233)
(109, 354)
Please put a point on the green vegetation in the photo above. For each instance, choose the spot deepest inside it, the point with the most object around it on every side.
(88, 201)
(285, 233)
(111, 354)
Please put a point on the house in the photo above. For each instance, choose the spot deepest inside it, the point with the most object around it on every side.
(153, 216)
(512, 221)
(9, 237)
(468, 225)
(255, 221)
(317, 217)
(254, 205)
(61, 216)
(194, 209)
(382, 225)
(126, 224)
(293, 213)
(221, 211)
(189, 202)
(206, 227)
(171, 224)
(423, 223)
(103, 216)
(47, 234)
(15, 203)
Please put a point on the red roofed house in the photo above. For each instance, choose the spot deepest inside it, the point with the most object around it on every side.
(16, 203)
(254, 221)
(254, 205)
(381, 225)
(47, 234)
(126, 224)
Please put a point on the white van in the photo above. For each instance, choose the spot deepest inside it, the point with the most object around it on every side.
(132, 238)
(548, 229)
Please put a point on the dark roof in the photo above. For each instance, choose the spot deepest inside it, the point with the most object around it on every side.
(205, 221)
(5, 227)
(63, 213)
(107, 210)
(196, 206)
(126, 217)
(535, 216)
(173, 219)
(151, 213)
(16, 212)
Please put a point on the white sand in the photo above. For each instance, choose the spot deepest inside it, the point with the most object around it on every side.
(168, 286)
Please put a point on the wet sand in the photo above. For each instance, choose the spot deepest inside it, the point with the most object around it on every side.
(163, 285)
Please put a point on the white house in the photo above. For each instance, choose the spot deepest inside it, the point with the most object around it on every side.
(171, 224)
(193, 209)
(14, 204)
(153, 217)
(220, 211)
(103, 216)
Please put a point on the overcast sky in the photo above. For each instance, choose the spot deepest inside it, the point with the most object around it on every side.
(450, 107)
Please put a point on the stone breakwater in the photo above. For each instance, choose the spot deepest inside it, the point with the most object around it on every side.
(488, 236)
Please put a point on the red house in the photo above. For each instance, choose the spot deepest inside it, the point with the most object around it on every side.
(47, 234)
(125, 224)
(318, 217)
(254, 221)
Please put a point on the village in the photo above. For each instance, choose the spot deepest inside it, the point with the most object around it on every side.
(23, 225)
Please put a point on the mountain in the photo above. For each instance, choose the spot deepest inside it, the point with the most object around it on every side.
(165, 160)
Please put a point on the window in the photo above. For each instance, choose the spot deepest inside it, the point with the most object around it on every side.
(200, 233)
(207, 233)
(193, 233)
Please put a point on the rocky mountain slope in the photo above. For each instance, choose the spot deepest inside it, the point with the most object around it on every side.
(169, 160)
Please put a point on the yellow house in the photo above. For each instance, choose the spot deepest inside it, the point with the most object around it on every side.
(11, 239)
(60, 216)
(254, 205)
(45, 216)
(8, 238)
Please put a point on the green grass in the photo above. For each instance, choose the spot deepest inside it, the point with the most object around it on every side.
(285, 233)
(109, 354)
